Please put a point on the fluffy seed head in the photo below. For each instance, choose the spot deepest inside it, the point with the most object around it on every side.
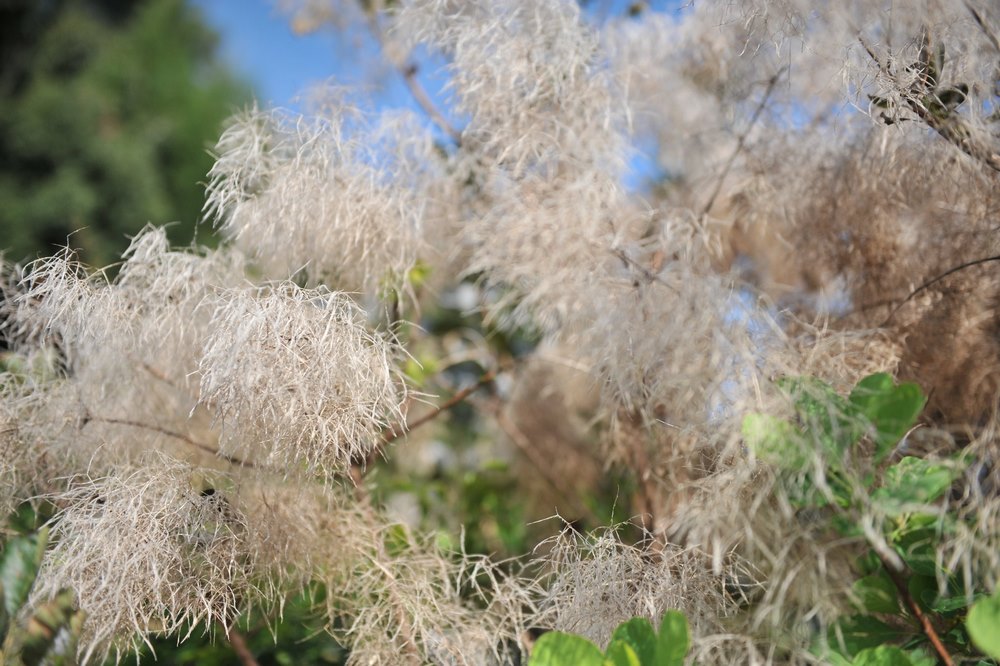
(297, 378)
(145, 551)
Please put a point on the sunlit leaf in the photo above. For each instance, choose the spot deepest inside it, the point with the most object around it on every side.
(558, 649)
(638, 634)
(912, 481)
(891, 409)
(620, 653)
(775, 441)
(674, 639)
(983, 624)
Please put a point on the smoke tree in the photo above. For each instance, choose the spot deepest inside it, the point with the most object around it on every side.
(827, 179)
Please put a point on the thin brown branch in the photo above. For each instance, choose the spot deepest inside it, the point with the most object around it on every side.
(647, 274)
(397, 431)
(409, 74)
(393, 433)
(741, 142)
(408, 70)
(902, 587)
(240, 647)
(933, 281)
(168, 433)
(158, 374)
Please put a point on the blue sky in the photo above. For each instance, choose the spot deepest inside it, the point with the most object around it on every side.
(257, 41)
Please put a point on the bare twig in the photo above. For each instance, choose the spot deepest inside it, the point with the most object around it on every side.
(932, 282)
(240, 647)
(169, 433)
(393, 433)
(741, 142)
(647, 274)
(898, 579)
(409, 73)
(397, 431)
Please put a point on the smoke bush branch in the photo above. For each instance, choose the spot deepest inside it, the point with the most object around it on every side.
(408, 71)
(395, 432)
(935, 280)
(240, 647)
(169, 433)
(899, 580)
(741, 141)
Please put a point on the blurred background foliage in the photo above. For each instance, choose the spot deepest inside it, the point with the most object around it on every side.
(107, 108)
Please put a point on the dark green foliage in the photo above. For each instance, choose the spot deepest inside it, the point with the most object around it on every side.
(833, 462)
(45, 633)
(297, 637)
(108, 108)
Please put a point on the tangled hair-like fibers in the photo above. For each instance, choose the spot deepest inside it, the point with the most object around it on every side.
(145, 551)
(298, 379)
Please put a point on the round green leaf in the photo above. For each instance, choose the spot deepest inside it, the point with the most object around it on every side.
(621, 653)
(558, 649)
(639, 635)
(983, 624)
(674, 639)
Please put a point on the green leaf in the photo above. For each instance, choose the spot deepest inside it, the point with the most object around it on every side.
(915, 540)
(828, 417)
(912, 481)
(556, 648)
(44, 626)
(674, 639)
(920, 657)
(835, 659)
(638, 634)
(891, 409)
(923, 589)
(877, 594)
(983, 624)
(884, 655)
(951, 604)
(620, 653)
(775, 441)
(860, 632)
(19, 567)
(396, 539)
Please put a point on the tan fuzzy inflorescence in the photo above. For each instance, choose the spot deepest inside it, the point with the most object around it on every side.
(145, 551)
(297, 379)
(300, 194)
